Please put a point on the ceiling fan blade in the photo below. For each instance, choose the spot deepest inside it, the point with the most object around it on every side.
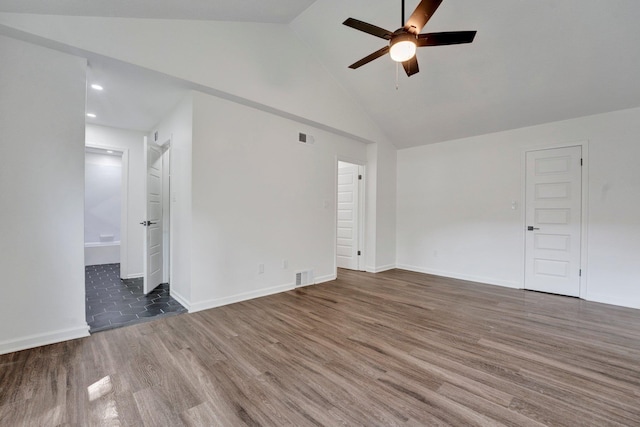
(375, 55)
(421, 15)
(411, 66)
(446, 38)
(368, 28)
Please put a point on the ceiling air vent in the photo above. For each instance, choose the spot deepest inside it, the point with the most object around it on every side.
(304, 278)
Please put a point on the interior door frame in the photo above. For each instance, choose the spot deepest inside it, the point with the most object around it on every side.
(166, 211)
(361, 212)
(584, 144)
(124, 205)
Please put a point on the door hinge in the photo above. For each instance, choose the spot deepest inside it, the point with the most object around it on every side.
(359, 177)
(359, 253)
(581, 162)
(580, 273)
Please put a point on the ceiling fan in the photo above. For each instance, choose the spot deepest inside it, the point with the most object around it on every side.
(404, 41)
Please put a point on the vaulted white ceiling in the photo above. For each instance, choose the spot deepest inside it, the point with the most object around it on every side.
(271, 11)
(532, 62)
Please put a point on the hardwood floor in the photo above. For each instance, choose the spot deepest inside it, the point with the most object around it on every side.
(395, 348)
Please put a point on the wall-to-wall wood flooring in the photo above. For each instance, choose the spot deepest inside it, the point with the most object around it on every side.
(394, 348)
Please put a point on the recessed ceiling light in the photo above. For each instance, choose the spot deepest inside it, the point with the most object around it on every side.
(96, 87)
(93, 116)
(109, 151)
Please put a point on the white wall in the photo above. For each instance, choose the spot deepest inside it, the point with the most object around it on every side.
(177, 127)
(102, 187)
(381, 207)
(260, 197)
(246, 192)
(42, 192)
(454, 214)
(132, 142)
(263, 64)
(292, 85)
(386, 207)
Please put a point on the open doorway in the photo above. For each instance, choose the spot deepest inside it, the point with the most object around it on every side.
(105, 189)
(114, 294)
(350, 216)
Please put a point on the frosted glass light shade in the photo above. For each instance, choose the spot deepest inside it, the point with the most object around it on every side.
(403, 50)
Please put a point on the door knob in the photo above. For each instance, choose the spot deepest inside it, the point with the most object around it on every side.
(143, 223)
(147, 223)
(531, 228)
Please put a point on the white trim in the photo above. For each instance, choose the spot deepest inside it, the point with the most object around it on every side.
(336, 170)
(166, 211)
(612, 300)
(135, 276)
(172, 184)
(101, 244)
(182, 300)
(306, 286)
(362, 214)
(324, 279)
(381, 269)
(124, 216)
(219, 302)
(362, 193)
(584, 145)
(145, 241)
(467, 277)
(38, 340)
(124, 204)
(584, 256)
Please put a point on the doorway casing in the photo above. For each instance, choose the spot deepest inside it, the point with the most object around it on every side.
(124, 206)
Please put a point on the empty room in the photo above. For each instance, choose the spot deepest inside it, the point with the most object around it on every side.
(384, 212)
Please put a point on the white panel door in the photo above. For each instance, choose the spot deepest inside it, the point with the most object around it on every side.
(348, 215)
(553, 220)
(153, 221)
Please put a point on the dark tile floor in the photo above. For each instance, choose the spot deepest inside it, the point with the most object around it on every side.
(113, 302)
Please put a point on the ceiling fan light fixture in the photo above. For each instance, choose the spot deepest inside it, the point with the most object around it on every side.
(403, 47)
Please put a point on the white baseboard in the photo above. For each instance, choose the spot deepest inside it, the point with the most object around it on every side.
(134, 276)
(381, 268)
(608, 299)
(182, 300)
(219, 302)
(459, 276)
(38, 340)
(370, 269)
(323, 279)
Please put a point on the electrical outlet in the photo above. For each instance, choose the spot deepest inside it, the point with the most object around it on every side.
(260, 268)
(285, 264)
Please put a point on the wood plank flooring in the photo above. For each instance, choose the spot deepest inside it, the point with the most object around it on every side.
(390, 349)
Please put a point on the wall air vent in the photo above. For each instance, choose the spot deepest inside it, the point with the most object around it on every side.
(304, 278)
(306, 139)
